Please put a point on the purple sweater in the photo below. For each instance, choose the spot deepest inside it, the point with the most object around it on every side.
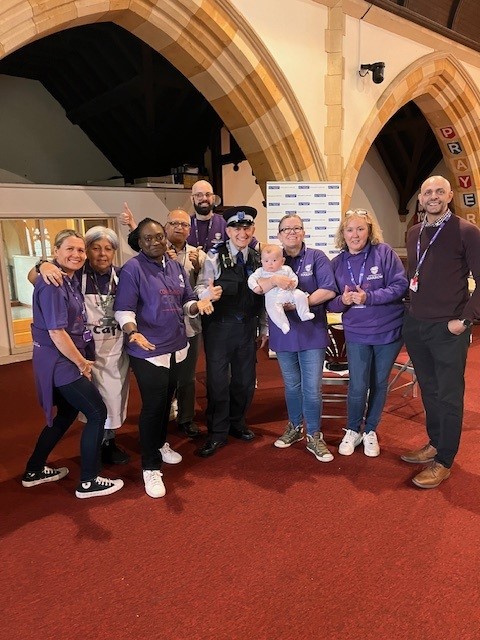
(380, 320)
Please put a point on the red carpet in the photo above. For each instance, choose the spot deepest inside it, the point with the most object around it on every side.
(255, 543)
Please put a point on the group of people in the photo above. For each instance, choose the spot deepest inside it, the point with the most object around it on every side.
(147, 315)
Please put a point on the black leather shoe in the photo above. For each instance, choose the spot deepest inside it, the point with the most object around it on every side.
(242, 434)
(111, 454)
(190, 429)
(210, 447)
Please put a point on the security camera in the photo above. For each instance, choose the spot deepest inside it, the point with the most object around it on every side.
(377, 69)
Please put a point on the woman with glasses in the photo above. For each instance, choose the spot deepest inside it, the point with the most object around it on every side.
(372, 282)
(301, 351)
(152, 297)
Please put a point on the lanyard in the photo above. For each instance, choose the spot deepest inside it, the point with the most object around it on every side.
(105, 299)
(81, 302)
(420, 260)
(362, 270)
(195, 228)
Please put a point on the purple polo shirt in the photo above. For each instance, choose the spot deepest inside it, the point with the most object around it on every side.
(156, 293)
(55, 308)
(384, 280)
(314, 271)
(208, 233)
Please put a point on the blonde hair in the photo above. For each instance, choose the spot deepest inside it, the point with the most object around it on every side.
(375, 235)
(272, 248)
(64, 234)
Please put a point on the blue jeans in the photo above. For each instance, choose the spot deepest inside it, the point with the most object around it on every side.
(369, 366)
(302, 375)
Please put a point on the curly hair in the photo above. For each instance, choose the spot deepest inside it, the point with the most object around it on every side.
(375, 235)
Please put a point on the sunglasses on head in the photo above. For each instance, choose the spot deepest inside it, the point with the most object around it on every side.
(357, 212)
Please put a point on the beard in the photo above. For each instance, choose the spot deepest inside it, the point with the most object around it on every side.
(203, 208)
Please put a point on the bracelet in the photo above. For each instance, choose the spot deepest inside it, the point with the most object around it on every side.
(39, 264)
(130, 333)
(82, 371)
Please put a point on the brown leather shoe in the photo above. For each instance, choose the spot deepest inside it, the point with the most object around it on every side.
(431, 476)
(423, 455)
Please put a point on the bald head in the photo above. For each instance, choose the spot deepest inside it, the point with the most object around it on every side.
(177, 228)
(203, 199)
(435, 196)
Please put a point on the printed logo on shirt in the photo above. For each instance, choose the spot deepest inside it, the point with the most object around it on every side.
(374, 275)
(307, 271)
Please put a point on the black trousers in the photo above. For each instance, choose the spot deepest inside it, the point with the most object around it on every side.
(83, 396)
(156, 385)
(439, 360)
(230, 353)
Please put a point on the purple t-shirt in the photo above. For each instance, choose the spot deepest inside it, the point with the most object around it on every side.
(156, 293)
(55, 308)
(314, 271)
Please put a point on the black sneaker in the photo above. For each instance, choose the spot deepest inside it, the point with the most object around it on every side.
(190, 429)
(112, 454)
(32, 478)
(98, 487)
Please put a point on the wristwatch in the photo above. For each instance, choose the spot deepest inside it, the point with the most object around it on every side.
(466, 323)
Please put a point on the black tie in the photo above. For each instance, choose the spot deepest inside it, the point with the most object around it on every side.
(240, 259)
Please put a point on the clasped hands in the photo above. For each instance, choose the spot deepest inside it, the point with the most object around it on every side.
(354, 296)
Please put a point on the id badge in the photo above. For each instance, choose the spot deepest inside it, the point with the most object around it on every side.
(87, 335)
(414, 284)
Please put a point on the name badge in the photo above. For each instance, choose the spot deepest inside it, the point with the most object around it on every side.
(87, 335)
(414, 284)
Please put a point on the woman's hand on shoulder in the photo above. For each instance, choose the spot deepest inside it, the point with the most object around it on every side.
(51, 274)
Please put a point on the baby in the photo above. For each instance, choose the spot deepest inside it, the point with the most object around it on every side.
(272, 264)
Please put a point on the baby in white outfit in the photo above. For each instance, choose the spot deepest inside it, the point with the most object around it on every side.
(273, 263)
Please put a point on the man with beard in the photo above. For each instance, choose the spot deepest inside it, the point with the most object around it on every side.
(208, 228)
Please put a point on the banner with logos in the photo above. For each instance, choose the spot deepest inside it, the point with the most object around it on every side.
(318, 204)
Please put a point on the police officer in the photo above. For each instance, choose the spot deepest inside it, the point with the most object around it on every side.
(230, 333)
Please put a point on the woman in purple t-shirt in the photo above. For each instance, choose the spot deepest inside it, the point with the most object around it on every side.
(63, 374)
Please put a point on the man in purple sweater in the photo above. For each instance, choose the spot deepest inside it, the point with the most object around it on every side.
(442, 251)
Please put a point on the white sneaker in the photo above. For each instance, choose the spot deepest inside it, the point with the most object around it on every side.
(154, 486)
(370, 444)
(169, 455)
(351, 439)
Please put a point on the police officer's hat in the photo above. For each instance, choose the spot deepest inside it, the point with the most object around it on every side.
(239, 216)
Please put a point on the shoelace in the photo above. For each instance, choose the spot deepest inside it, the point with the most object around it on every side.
(48, 471)
(166, 447)
(156, 476)
(104, 482)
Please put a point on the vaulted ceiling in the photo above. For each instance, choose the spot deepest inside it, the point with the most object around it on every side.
(146, 117)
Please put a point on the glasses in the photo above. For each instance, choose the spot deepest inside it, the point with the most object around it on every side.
(357, 212)
(200, 196)
(177, 223)
(157, 238)
(288, 230)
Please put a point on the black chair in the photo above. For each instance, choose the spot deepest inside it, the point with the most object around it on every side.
(335, 372)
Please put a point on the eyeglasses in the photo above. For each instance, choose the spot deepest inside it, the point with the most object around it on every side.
(288, 230)
(200, 196)
(357, 212)
(178, 223)
(157, 238)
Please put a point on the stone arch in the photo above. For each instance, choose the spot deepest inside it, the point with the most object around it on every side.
(216, 49)
(450, 102)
